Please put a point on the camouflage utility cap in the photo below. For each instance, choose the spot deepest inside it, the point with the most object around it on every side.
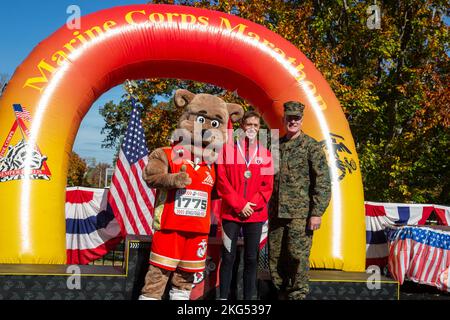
(293, 108)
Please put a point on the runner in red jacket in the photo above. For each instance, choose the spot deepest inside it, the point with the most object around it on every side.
(244, 182)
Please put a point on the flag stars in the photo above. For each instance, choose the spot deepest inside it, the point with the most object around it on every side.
(134, 142)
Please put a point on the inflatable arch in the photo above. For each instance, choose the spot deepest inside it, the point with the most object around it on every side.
(49, 94)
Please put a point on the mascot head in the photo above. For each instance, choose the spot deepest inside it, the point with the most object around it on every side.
(202, 128)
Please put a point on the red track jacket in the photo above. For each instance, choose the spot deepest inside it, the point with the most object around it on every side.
(235, 190)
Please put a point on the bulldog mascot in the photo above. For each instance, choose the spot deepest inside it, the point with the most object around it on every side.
(184, 176)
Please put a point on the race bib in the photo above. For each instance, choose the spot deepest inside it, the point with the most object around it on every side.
(191, 203)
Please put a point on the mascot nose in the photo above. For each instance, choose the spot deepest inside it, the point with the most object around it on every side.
(206, 134)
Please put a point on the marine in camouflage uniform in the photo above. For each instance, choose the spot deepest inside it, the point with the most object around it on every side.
(302, 189)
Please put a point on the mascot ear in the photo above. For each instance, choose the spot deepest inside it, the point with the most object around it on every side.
(183, 97)
(235, 111)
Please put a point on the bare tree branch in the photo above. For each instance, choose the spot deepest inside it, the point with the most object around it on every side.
(3, 82)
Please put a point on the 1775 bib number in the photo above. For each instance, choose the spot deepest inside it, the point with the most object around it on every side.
(191, 203)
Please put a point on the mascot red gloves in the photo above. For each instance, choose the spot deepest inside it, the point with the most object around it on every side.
(184, 176)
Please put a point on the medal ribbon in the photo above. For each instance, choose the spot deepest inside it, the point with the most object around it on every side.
(247, 163)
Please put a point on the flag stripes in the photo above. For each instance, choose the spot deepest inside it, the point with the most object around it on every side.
(379, 216)
(91, 230)
(21, 113)
(130, 198)
(419, 254)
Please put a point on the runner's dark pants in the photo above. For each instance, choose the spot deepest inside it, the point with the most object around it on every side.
(252, 235)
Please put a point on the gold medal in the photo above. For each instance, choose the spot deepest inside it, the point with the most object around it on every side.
(248, 174)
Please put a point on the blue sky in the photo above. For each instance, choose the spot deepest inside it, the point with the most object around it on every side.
(42, 19)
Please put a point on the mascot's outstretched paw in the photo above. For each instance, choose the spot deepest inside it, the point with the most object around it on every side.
(182, 179)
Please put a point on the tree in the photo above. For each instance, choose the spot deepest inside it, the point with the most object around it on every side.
(3, 82)
(392, 83)
(77, 170)
(96, 176)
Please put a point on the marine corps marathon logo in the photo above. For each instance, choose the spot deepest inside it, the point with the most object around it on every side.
(201, 251)
(13, 157)
(210, 268)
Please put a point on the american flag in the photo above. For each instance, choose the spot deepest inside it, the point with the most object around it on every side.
(420, 254)
(129, 197)
(379, 216)
(21, 113)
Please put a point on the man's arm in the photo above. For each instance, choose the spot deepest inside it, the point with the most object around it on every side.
(321, 194)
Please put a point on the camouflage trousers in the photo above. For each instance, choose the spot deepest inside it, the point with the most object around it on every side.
(289, 248)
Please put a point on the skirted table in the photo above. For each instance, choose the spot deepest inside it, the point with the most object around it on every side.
(420, 254)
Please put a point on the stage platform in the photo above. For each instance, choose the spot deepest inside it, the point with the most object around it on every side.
(339, 285)
(59, 282)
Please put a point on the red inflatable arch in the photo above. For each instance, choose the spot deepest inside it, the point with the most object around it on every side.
(67, 72)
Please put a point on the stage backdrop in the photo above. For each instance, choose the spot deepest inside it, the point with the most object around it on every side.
(51, 91)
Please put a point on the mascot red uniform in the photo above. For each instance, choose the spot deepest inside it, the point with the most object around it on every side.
(184, 176)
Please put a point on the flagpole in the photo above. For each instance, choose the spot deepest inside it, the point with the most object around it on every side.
(130, 86)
